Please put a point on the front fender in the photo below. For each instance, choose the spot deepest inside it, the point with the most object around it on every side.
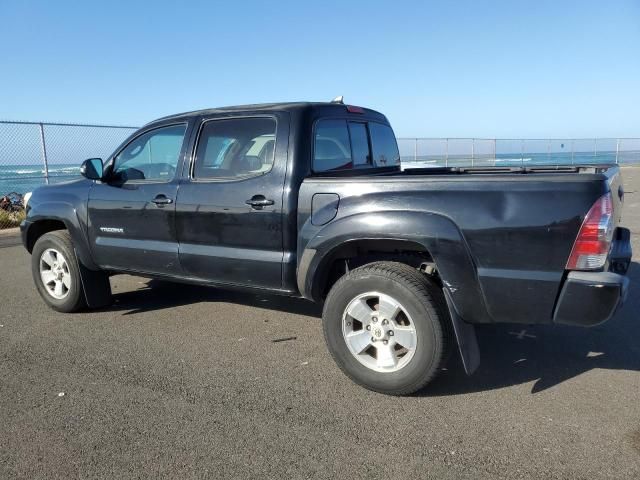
(437, 233)
(66, 203)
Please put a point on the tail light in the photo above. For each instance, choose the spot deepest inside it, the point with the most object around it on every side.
(591, 248)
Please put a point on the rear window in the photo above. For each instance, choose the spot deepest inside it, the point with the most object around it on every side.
(359, 144)
(344, 145)
(332, 149)
(384, 146)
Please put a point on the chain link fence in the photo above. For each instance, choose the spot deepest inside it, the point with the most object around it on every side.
(482, 152)
(34, 154)
(37, 153)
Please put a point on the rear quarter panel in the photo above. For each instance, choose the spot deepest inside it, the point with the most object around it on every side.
(515, 232)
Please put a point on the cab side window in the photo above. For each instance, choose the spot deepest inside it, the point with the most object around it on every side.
(234, 148)
(151, 156)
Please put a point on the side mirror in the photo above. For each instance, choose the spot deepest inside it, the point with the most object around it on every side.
(92, 169)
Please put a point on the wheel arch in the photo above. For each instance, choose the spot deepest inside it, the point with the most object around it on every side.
(427, 236)
(39, 228)
(56, 215)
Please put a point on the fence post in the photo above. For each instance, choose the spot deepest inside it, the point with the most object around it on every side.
(494, 151)
(44, 154)
(473, 148)
(572, 151)
(446, 157)
(617, 149)
(415, 151)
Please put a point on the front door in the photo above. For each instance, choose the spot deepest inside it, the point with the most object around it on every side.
(229, 211)
(132, 214)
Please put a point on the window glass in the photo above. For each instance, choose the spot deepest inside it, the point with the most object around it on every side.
(151, 156)
(384, 145)
(359, 144)
(235, 148)
(332, 149)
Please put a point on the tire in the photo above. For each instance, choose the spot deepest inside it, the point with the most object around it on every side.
(383, 287)
(53, 259)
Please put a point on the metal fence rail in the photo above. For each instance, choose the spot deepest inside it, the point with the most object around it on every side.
(426, 152)
(37, 153)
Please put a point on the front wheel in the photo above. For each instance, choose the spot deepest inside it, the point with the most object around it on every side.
(384, 326)
(56, 273)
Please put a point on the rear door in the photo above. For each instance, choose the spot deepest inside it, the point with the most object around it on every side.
(132, 216)
(229, 210)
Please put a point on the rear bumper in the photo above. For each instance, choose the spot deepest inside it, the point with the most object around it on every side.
(591, 298)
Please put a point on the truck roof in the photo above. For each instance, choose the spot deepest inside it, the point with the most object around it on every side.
(268, 107)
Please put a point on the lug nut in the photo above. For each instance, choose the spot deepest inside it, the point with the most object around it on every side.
(385, 321)
(373, 339)
(368, 327)
(385, 341)
(391, 333)
(348, 324)
(375, 319)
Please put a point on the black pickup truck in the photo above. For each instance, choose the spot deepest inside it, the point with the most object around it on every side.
(310, 200)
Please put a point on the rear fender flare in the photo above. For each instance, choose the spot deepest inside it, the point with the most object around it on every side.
(437, 233)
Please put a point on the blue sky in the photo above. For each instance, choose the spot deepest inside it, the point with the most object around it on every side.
(435, 68)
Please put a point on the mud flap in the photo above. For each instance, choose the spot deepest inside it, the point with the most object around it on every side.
(465, 337)
(96, 286)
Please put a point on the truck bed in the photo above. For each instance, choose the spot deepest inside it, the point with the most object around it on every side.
(517, 226)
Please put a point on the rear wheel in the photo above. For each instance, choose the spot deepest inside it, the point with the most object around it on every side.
(385, 328)
(56, 273)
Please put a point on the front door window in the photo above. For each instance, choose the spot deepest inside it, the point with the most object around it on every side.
(153, 156)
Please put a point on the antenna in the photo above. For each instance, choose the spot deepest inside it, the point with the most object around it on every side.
(339, 99)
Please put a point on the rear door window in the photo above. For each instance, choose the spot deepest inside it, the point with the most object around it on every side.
(234, 148)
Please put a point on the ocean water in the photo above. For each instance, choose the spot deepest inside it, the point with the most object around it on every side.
(24, 178)
(518, 160)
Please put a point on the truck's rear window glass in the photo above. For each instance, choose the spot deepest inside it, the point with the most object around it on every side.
(332, 149)
(384, 145)
(359, 144)
(345, 145)
(235, 148)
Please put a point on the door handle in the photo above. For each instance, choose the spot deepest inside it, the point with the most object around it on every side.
(162, 200)
(258, 202)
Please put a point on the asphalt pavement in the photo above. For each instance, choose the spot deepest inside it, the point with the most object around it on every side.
(177, 381)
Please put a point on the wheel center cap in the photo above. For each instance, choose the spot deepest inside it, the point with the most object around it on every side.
(377, 332)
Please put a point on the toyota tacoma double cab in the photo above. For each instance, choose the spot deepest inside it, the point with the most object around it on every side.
(310, 200)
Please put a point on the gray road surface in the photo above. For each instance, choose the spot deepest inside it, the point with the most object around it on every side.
(177, 381)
